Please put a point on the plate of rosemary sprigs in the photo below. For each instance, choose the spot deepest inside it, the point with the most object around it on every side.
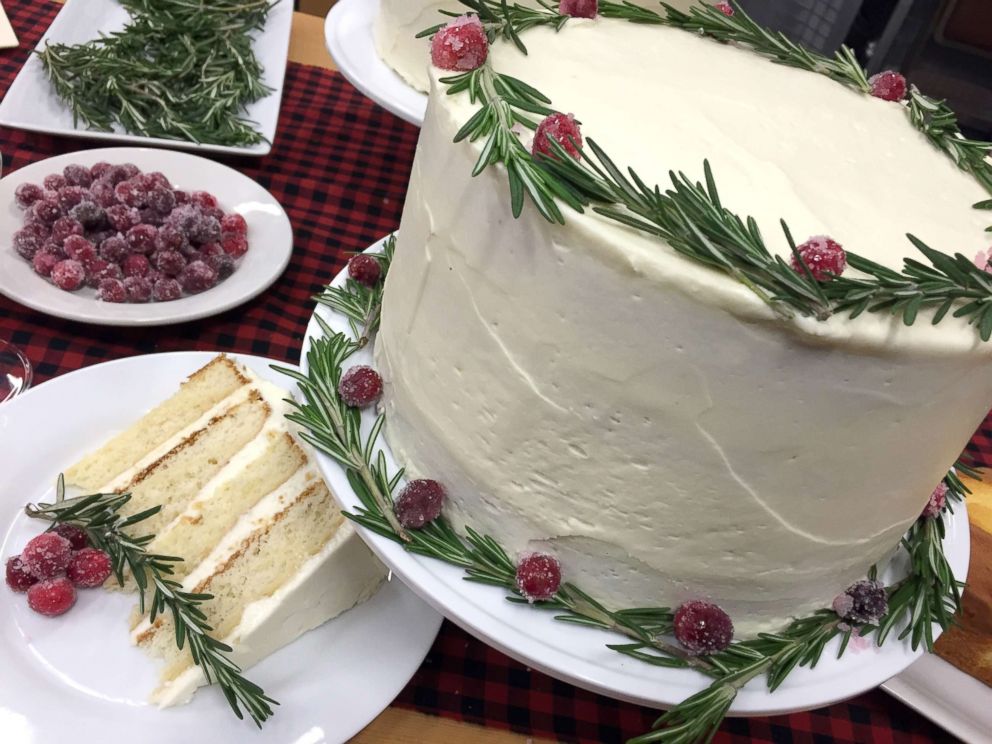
(166, 72)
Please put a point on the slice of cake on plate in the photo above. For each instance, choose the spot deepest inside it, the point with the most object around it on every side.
(246, 509)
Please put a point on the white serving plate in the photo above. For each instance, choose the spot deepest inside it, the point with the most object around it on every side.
(31, 104)
(77, 678)
(579, 655)
(348, 35)
(270, 241)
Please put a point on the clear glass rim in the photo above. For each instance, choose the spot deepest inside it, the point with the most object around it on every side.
(11, 352)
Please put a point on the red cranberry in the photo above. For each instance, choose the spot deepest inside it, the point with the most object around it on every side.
(138, 288)
(18, 577)
(79, 248)
(169, 263)
(122, 217)
(52, 597)
(823, 257)
(130, 193)
(46, 555)
(726, 8)
(360, 386)
(158, 179)
(44, 261)
(46, 210)
(77, 175)
(116, 174)
(563, 129)
(538, 576)
(91, 215)
(203, 199)
(68, 275)
(115, 249)
(27, 194)
(888, 85)
(703, 628)
(141, 238)
(865, 601)
(64, 227)
(364, 269)
(461, 45)
(88, 568)
(102, 192)
(166, 290)
(75, 535)
(135, 264)
(99, 170)
(579, 8)
(55, 181)
(27, 243)
(130, 170)
(419, 502)
(234, 223)
(223, 264)
(938, 499)
(197, 277)
(234, 245)
(182, 197)
(205, 230)
(161, 199)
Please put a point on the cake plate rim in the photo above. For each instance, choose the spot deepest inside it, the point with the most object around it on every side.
(525, 635)
(349, 39)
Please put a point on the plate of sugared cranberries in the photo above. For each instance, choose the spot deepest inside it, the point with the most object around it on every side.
(133, 236)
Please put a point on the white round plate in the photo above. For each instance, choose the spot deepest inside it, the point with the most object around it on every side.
(579, 655)
(270, 241)
(348, 35)
(77, 678)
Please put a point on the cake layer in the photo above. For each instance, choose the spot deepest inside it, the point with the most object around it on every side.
(203, 390)
(583, 389)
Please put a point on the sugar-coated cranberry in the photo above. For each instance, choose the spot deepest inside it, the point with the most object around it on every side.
(102, 192)
(563, 129)
(865, 601)
(183, 217)
(52, 597)
(46, 210)
(68, 275)
(234, 223)
(130, 193)
(161, 199)
(70, 196)
(79, 248)
(823, 256)
(888, 85)
(89, 213)
(538, 576)
(138, 288)
(197, 277)
(54, 181)
(203, 199)
(165, 290)
(702, 627)
(44, 261)
(158, 179)
(116, 174)
(144, 181)
(75, 535)
(223, 264)
(27, 194)
(98, 271)
(46, 555)
(212, 249)
(360, 386)
(205, 230)
(77, 175)
(63, 227)
(27, 243)
(460, 45)
(169, 263)
(364, 269)
(114, 249)
(111, 290)
(726, 8)
(88, 568)
(141, 238)
(122, 217)
(182, 197)
(18, 577)
(130, 170)
(234, 245)
(937, 502)
(579, 8)
(135, 264)
(419, 502)
(170, 238)
(99, 170)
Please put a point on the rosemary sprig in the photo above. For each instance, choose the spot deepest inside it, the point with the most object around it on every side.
(180, 70)
(99, 515)
(358, 303)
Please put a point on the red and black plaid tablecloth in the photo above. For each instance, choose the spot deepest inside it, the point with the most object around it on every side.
(340, 167)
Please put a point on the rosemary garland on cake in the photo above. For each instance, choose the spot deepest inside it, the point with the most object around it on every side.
(907, 609)
(99, 516)
(689, 215)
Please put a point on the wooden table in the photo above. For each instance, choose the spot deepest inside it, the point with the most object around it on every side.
(393, 726)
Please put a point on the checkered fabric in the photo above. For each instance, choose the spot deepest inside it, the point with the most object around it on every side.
(340, 167)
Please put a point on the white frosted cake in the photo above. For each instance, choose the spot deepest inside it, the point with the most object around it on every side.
(584, 390)
(246, 509)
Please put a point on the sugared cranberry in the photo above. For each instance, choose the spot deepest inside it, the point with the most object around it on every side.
(70, 196)
(360, 386)
(89, 213)
(135, 264)
(223, 264)
(158, 179)
(52, 597)
(169, 263)
(18, 577)
(27, 243)
(130, 193)
(888, 85)
(79, 248)
(55, 181)
(197, 277)
(364, 269)
(98, 270)
(182, 197)
(99, 170)
(203, 199)
(563, 129)
(77, 175)
(46, 555)
(68, 275)
(165, 290)
(88, 568)
(703, 628)
(115, 249)
(823, 256)
(122, 217)
(75, 535)
(64, 227)
(726, 8)
(460, 45)
(44, 261)
(102, 192)
(170, 238)
(538, 576)
(161, 199)
(130, 170)
(579, 8)
(27, 194)
(865, 601)
(938, 499)
(419, 502)
(205, 230)
(234, 245)
(46, 210)
(234, 223)
(138, 288)
(116, 174)
(141, 238)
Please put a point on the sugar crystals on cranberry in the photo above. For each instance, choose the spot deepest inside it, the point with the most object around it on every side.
(360, 386)
(538, 576)
(702, 627)
(419, 502)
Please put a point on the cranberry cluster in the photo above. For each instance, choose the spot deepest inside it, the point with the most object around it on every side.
(51, 567)
(129, 235)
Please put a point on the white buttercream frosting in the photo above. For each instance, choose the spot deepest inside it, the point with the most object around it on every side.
(586, 390)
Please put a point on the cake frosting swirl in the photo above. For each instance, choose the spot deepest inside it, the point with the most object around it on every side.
(585, 390)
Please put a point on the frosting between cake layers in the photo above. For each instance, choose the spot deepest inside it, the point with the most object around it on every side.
(586, 390)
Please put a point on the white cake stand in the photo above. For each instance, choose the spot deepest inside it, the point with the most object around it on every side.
(348, 35)
(579, 655)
